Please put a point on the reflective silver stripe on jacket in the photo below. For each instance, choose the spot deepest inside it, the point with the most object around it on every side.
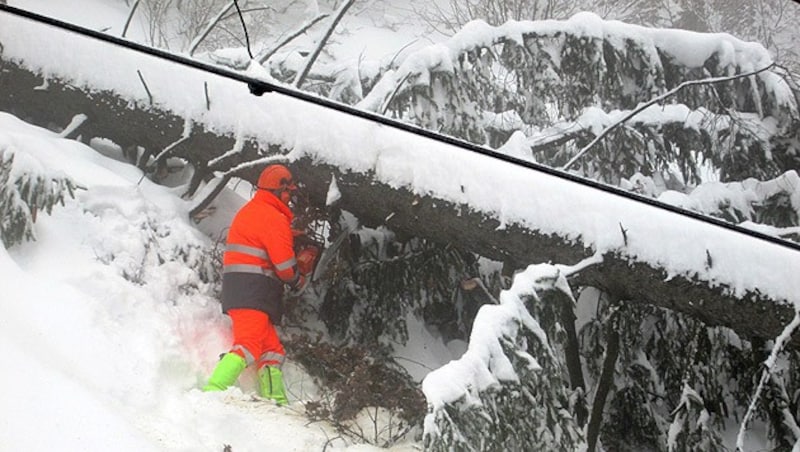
(285, 265)
(244, 249)
(247, 268)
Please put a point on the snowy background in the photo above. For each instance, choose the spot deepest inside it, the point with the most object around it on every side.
(104, 352)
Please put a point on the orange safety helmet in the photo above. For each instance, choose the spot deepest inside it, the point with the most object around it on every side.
(277, 179)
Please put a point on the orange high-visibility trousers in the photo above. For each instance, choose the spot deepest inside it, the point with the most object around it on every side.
(255, 338)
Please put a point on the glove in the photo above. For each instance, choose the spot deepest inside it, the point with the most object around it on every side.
(307, 259)
(298, 287)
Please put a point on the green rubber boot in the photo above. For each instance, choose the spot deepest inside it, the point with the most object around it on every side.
(270, 384)
(226, 372)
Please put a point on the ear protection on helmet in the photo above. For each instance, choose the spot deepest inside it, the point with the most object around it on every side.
(278, 180)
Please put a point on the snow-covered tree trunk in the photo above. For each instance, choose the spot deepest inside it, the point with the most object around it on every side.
(374, 202)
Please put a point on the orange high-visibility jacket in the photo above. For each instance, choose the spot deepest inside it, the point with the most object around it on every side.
(259, 256)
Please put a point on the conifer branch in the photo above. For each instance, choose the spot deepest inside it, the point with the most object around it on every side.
(655, 100)
(147, 90)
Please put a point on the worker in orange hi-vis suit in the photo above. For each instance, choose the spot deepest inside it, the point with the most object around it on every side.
(259, 261)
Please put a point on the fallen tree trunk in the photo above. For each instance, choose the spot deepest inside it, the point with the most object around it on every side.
(53, 103)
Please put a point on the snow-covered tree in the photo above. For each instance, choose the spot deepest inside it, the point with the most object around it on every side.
(26, 189)
(506, 392)
(566, 83)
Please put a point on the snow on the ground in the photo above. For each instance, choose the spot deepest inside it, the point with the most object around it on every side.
(98, 361)
(107, 16)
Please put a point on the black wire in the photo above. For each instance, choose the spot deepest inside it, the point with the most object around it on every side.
(244, 27)
(259, 87)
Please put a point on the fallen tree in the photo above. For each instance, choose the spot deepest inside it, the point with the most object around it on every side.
(52, 102)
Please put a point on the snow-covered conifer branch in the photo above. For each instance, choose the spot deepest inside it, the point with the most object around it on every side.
(27, 187)
(786, 415)
(657, 99)
(605, 381)
(746, 202)
(509, 363)
(766, 374)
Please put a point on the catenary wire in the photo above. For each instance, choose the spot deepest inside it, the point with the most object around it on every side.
(259, 87)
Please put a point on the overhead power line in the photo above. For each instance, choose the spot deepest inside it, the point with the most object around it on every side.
(259, 87)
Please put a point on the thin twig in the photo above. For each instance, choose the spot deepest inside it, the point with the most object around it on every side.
(640, 108)
(167, 150)
(149, 95)
(414, 362)
(396, 54)
(208, 28)
(301, 76)
(769, 365)
(130, 17)
(250, 10)
(244, 28)
(263, 59)
(396, 90)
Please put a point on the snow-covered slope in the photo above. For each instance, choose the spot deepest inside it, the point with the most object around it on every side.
(105, 347)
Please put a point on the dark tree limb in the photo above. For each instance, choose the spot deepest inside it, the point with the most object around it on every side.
(573, 357)
(604, 384)
(130, 17)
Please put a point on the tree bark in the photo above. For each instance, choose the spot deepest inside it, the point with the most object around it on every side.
(604, 386)
(376, 203)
